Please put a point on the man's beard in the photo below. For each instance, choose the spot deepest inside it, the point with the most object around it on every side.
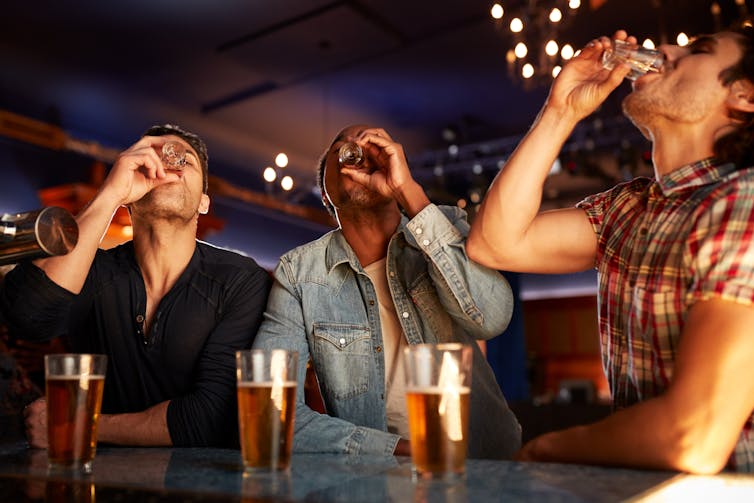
(171, 207)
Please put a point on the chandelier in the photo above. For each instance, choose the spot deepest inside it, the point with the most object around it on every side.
(536, 55)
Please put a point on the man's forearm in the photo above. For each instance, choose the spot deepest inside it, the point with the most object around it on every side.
(147, 428)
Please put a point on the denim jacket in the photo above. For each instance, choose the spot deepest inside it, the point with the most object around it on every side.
(324, 306)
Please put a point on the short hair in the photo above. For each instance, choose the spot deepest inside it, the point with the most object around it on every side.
(192, 139)
(736, 146)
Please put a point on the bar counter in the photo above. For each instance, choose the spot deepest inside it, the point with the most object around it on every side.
(215, 475)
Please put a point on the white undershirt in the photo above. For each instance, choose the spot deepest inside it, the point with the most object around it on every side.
(393, 342)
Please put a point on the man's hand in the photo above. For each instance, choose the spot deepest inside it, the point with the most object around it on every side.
(386, 169)
(35, 418)
(138, 170)
(584, 83)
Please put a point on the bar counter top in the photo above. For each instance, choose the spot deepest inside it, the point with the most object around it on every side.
(123, 474)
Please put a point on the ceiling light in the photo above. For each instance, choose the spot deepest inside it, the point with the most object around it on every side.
(517, 25)
(286, 182)
(497, 11)
(281, 160)
(269, 174)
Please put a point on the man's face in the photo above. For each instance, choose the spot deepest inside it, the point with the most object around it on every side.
(688, 90)
(344, 193)
(182, 199)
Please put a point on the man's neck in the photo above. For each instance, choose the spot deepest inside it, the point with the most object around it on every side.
(163, 250)
(369, 233)
(679, 145)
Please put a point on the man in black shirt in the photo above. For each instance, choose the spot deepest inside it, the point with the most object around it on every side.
(169, 311)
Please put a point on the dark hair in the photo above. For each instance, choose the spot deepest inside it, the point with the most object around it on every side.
(736, 146)
(196, 143)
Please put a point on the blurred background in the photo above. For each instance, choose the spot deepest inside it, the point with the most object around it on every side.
(268, 84)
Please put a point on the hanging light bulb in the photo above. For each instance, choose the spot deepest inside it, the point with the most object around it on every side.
(269, 174)
(497, 11)
(281, 160)
(286, 182)
(527, 71)
(556, 70)
(566, 52)
(517, 25)
(555, 15)
(521, 50)
(682, 39)
(551, 48)
(574, 4)
(648, 44)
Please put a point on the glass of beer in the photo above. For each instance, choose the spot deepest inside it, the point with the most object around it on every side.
(73, 384)
(438, 386)
(266, 407)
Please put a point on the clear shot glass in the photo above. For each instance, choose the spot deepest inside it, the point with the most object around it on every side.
(640, 59)
(174, 155)
(350, 154)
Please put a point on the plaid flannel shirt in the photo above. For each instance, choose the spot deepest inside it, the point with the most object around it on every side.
(662, 246)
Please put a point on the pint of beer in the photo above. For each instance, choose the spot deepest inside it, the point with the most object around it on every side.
(438, 383)
(266, 407)
(74, 385)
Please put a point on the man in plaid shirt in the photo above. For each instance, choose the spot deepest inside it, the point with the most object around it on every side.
(675, 255)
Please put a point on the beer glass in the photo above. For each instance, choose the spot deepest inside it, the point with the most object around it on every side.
(640, 59)
(266, 407)
(74, 384)
(438, 386)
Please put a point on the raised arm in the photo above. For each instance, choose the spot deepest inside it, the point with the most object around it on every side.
(136, 171)
(509, 232)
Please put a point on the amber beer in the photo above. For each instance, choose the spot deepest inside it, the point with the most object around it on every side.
(436, 446)
(73, 406)
(265, 418)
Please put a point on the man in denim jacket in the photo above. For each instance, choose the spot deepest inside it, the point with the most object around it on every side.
(354, 298)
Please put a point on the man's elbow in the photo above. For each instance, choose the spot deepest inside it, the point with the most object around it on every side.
(699, 453)
(478, 251)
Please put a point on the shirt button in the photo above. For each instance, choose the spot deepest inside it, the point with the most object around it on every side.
(342, 341)
(405, 314)
(425, 242)
(392, 274)
(419, 230)
(378, 349)
(140, 319)
(371, 302)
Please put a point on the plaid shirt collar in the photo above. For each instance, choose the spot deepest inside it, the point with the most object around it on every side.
(694, 175)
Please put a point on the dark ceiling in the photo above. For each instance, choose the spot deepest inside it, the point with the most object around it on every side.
(255, 78)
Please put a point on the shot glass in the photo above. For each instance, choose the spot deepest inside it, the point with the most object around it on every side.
(350, 154)
(438, 388)
(640, 59)
(74, 385)
(266, 407)
(174, 155)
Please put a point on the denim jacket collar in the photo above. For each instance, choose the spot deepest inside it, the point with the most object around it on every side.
(339, 251)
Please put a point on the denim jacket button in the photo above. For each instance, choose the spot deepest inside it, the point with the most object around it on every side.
(425, 242)
(419, 230)
(405, 314)
(342, 342)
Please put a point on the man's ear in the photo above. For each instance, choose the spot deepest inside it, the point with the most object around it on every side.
(741, 96)
(204, 204)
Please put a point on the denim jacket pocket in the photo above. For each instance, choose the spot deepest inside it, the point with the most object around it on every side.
(341, 355)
